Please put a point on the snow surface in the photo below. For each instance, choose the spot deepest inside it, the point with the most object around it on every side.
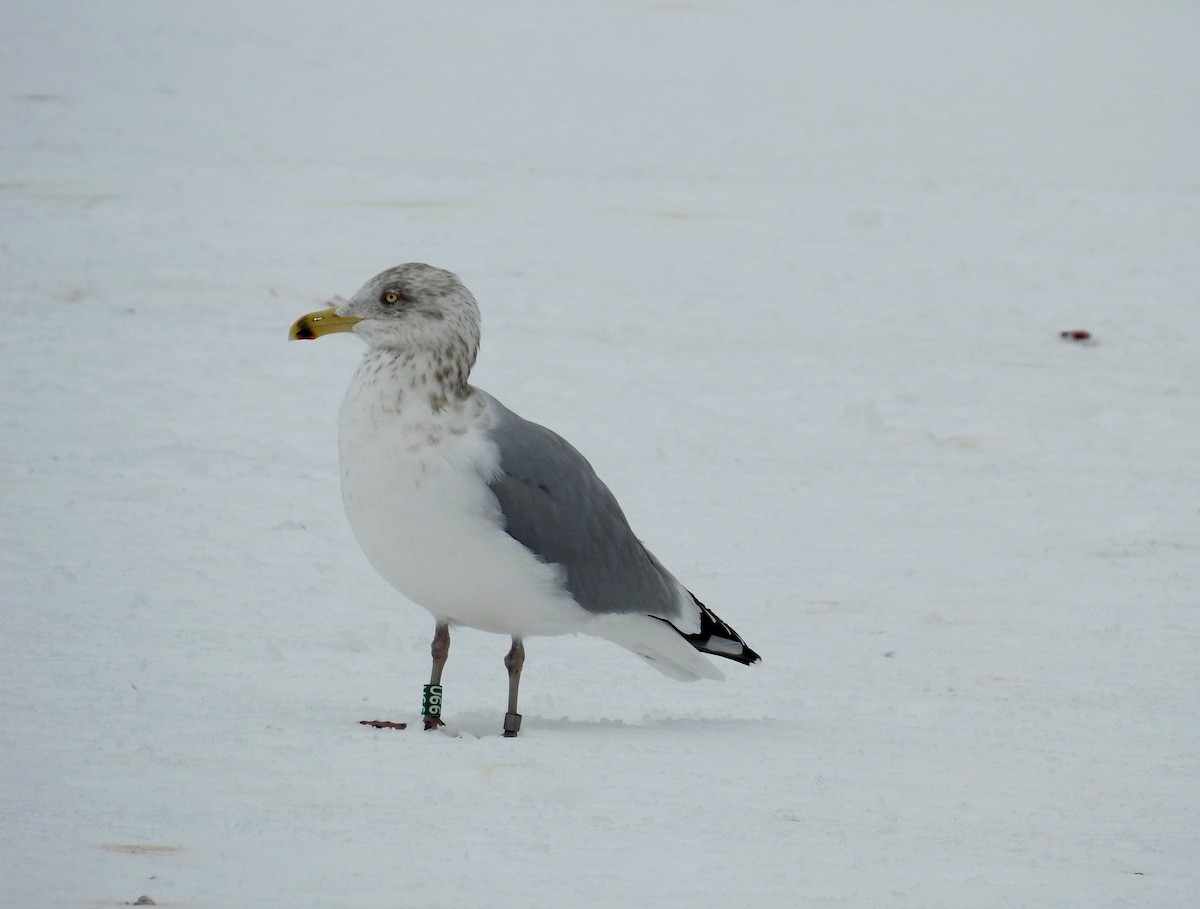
(791, 275)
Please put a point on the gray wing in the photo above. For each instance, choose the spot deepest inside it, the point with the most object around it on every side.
(553, 503)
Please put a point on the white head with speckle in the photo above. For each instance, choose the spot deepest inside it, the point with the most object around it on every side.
(414, 311)
(416, 307)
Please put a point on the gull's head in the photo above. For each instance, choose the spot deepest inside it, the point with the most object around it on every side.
(409, 308)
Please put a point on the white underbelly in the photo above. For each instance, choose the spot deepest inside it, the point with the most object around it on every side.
(430, 526)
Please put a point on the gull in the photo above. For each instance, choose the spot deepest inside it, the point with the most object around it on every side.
(485, 519)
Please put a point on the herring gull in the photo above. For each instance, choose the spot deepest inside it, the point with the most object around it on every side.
(483, 518)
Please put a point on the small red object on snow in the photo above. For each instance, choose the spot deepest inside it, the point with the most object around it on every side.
(1076, 335)
(382, 724)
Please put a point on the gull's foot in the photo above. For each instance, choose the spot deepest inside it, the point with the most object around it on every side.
(382, 724)
(433, 722)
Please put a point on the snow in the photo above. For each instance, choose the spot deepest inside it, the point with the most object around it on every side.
(792, 276)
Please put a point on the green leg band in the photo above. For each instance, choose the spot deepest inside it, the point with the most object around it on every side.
(431, 701)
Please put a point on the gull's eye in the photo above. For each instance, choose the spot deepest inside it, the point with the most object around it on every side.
(391, 297)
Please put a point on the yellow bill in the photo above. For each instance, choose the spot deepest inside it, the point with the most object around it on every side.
(315, 324)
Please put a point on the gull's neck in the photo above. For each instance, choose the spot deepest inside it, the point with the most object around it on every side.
(425, 380)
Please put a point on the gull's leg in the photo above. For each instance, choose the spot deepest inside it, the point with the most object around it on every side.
(439, 650)
(513, 663)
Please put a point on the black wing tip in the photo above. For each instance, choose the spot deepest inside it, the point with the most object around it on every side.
(716, 638)
(745, 655)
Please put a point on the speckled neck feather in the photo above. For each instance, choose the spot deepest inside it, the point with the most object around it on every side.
(436, 380)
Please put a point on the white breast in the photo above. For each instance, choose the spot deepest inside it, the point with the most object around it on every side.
(414, 483)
